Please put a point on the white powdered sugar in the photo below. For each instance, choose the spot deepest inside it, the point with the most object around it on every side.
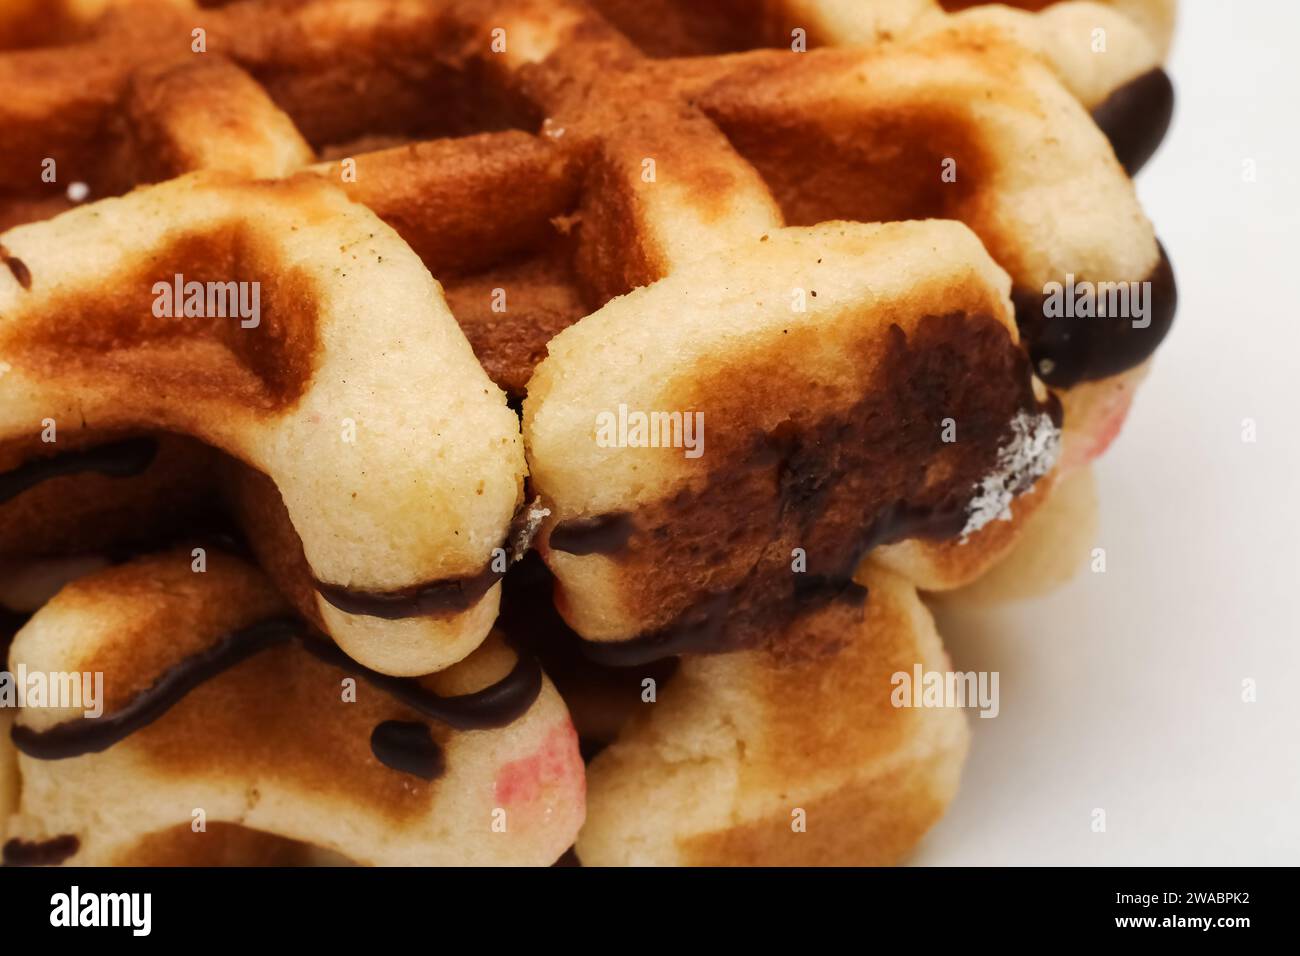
(1031, 453)
(525, 528)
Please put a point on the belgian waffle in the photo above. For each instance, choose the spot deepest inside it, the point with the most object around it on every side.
(826, 230)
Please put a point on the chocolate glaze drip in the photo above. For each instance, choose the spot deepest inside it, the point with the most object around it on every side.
(1136, 116)
(493, 706)
(442, 598)
(77, 737)
(1066, 350)
(407, 747)
(496, 705)
(699, 630)
(119, 459)
(50, 852)
(601, 534)
(845, 482)
(17, 267)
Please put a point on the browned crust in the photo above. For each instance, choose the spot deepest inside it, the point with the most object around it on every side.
(107, 337)
(826, 480)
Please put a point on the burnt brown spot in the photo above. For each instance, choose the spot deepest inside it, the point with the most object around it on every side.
(711, 567)
(109, 337)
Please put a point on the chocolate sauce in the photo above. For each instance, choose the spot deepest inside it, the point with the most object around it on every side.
(697, 630)
(1069, 350)
(119, 459)
(494, 706)
(17, 267)
(600, 534)
(441, 598)
(80, 736)
(824, 488)
(407, 747)
(1135, 118)
(700, 629)
(50, 852)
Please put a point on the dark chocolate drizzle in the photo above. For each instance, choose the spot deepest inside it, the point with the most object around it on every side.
(77, 737)
(17, 267)
(442, 598)
(494, 706)
(699, 629)
(1136, 116)
(119, 459)
(599, 534)
(1070, 350)
(50, 852)
(407, 747)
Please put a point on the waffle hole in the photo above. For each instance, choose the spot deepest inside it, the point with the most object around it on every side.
(878, 166)
(668, 28)
(407, 96)
(226, 844)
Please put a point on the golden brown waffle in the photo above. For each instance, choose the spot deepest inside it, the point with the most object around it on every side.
(220, 709)
(840, 221)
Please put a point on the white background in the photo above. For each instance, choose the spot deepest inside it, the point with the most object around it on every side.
(1123, 690)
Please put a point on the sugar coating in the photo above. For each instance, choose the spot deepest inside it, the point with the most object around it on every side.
(1031, 453)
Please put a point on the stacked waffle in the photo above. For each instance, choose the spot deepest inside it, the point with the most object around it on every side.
(356, 355)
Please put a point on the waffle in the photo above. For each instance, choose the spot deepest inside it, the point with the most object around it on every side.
(756, 759)
(217, 700)
(284, 402)
(827, 231)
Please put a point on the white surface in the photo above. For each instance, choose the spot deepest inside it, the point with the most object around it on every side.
(1124, 690)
